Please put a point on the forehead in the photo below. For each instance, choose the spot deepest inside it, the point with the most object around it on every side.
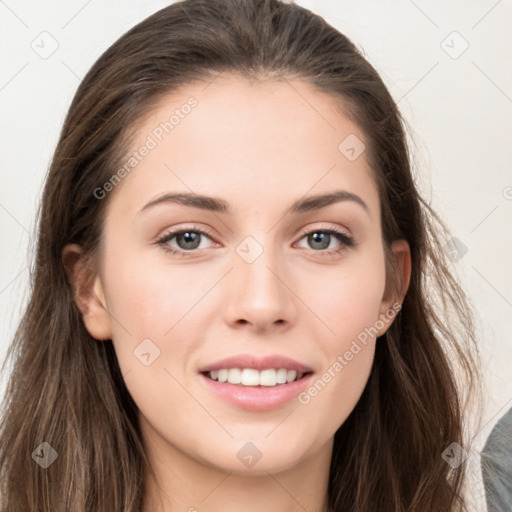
(252, 139)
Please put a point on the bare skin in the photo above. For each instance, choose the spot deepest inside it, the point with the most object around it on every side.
(260, 147)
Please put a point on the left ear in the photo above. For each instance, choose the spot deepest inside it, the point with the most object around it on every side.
(397, 283)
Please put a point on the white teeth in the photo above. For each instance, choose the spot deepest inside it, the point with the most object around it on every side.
(234, 376)
(268, 378)
(291, 375)
(280, 375)
(252, 377)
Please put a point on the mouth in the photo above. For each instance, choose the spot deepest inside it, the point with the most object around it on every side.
(256, 382)
(256, 390)
(251, 377)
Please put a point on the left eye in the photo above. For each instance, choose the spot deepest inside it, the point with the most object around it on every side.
(321, 239)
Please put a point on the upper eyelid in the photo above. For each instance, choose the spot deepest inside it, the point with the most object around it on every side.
(343, 230)
(195, 229)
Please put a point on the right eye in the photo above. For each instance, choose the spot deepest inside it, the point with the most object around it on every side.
(187, 240)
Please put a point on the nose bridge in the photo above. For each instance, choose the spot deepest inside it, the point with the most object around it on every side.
(258, 293)
(255, 258)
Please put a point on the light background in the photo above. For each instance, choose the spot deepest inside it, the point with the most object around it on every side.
(457, 101)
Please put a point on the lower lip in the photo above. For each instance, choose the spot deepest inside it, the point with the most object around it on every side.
(257, 398)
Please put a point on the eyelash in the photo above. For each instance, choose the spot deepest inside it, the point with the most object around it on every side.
(346, 240)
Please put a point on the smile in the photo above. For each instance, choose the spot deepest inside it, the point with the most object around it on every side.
(252, 377)
(253, 396)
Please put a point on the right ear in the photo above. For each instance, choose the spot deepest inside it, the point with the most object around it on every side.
(88, 292)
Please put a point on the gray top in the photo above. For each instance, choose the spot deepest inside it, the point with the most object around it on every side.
(496, 463)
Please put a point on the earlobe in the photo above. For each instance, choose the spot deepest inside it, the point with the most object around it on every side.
(96, 316)
(394, 296)
(88, 292)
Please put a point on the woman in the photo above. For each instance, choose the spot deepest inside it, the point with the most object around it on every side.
(230, 305)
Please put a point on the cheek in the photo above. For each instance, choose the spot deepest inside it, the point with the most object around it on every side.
(150, 307)
(149, 299)
(151, 311)
(349, 299)
(349, 304)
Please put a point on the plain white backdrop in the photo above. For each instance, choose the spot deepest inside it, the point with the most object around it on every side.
(447, 66)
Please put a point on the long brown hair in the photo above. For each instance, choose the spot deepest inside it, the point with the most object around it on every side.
(66, 388)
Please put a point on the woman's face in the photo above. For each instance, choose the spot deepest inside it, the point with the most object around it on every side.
(260, 280)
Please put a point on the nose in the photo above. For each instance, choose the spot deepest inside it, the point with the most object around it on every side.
(260, 293)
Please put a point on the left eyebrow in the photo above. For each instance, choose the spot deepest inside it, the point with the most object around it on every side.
(319, 201)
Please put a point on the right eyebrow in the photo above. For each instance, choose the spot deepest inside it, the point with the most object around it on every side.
(213, 204)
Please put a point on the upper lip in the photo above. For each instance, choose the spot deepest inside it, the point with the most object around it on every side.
(257, 362)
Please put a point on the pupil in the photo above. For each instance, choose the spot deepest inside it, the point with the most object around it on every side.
(320, 238)
(189, 241)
